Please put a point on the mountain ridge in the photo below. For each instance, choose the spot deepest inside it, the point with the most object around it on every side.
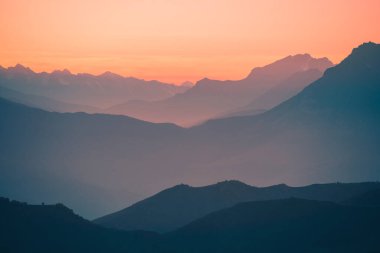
(176, 206)
(209, 98)
(100, 91)
(315, 136)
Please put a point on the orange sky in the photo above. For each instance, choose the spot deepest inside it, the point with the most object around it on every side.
(178, 40)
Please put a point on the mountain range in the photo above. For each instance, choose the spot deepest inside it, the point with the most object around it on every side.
(175, 207)
(99, 91)
(283, 225)
(62, 91)
(45, 103)
(328, 132)
(290, 225)
(210, 98)
(56, 228)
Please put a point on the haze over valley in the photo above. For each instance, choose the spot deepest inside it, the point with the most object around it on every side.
(201, 126)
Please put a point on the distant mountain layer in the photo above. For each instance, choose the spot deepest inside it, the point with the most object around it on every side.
(45, 103)
(287, 225)
(278, 94)
(41, 153)
(178, 206)
(85, 89)
(210, 98)
(328, 132)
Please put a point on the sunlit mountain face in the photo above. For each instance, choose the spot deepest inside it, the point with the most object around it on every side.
(189, 126)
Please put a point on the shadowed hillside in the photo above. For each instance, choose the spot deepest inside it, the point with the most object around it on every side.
(291, 225)
(179, 205)
(288, 225)
(55, 228)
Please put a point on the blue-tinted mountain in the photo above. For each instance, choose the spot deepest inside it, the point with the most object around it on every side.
(368, 198)
(286, 225)
(326, 133)
(278, 94)
(180, 205)
(74, 158)
(289, 225)
(55, 228)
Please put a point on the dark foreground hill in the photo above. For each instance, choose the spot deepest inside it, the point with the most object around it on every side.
(369, 198)
(179, 205)
(291, 225)
(55, 228)
(288, 225)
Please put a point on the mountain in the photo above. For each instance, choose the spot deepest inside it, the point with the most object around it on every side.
(278, 94)
(41, 153)
(178, 206)
(290, 225)
(368, 198)
(99, 91)
(326, 133)
(287, 225)
(43, 102)
(55, 228)
(210, 98)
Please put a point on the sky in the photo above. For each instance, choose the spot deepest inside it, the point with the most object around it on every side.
(179, 40)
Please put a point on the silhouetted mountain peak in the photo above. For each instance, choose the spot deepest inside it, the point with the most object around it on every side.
(109, 74)
(223, 184)
(180, 187)
(187, 84)
(64, 72)
(230, 184)
(21, 69)
(203, 81)
(366, 46)
(289, 65)
(366, 55)
(350, 88)
(279, 186)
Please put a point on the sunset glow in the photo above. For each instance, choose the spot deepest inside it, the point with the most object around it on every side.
(179, 40)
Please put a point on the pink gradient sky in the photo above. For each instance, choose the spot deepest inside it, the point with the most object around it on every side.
(179, 40)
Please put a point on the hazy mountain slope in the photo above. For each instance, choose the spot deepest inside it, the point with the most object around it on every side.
(278, 94)
(291, 225)
(99, 91)
(327, 133)
(43, 152)
(43, 102)
(177, 206)
(288, 225)
(55, 228)
(209, 98)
